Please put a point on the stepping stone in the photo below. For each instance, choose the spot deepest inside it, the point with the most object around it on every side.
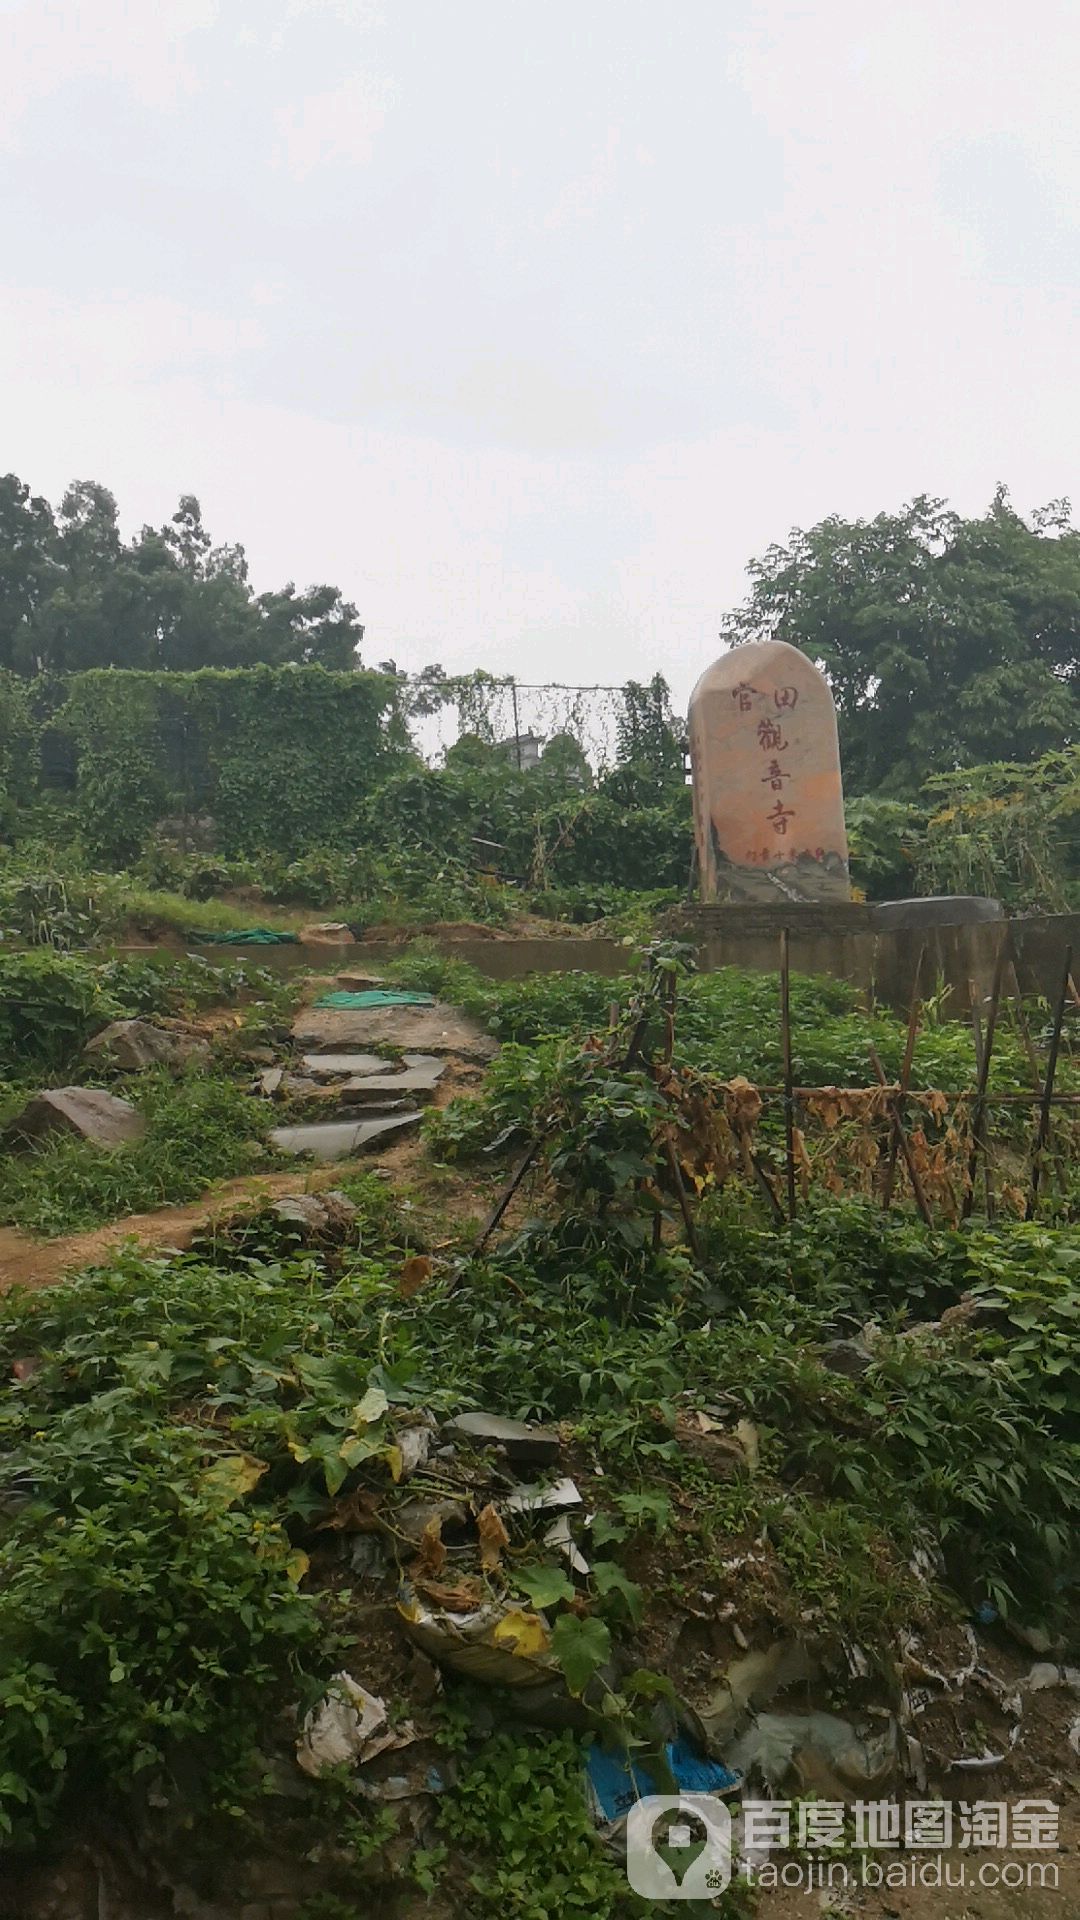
(412, 1080)
(336, 1139)
(326, 1066)
(436, 1029)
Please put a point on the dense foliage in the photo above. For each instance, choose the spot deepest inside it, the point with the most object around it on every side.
(74, 594)
(281, 757)
(948, 642)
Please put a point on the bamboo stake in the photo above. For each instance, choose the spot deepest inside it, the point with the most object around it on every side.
(508, 1192)
(905, 1148)
(914, 1017)
(1048, 1087)
(789, 1090)
(977, 1036)
(684, 1203)
(978, 1143)
(1020, 1021)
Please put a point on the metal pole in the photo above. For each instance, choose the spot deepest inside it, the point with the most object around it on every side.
(517, 730)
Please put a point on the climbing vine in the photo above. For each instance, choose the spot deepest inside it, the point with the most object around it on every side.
(280, 758)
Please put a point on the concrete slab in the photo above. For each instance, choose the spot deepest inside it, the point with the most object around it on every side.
(327, 1066)
(412, 1080)
(335, 1140)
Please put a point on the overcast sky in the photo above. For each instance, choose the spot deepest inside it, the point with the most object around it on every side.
(529, 325)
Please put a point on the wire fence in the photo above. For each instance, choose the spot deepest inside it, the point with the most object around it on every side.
(531, 719)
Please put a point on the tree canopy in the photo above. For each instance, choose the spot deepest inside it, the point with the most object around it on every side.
(948, 642)
(75, 595)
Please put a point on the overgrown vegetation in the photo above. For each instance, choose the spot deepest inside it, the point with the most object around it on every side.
(178, 1429)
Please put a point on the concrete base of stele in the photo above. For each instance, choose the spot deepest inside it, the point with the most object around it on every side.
(948, 941)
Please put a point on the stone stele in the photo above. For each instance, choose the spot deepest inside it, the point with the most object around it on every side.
(768, 798)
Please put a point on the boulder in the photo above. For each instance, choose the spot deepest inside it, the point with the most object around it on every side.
(132, 1044)
(438, 1029)
(317, 1216)
(88, 1112)
(848, 1357)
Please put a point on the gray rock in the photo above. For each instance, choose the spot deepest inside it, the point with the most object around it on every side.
(88, 1112)
(318, 1215)
(848, 1357)
(369, 1086)
(525, 1445)
(941, 910)
(327, 933)
(132, 1044)
(336, 1139)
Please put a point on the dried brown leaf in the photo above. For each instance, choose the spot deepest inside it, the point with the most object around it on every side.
(493, 1538)
(415, 1273)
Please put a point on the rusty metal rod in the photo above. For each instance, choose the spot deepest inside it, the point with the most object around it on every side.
(1022, 1099)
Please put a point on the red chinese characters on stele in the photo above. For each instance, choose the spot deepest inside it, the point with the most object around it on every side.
(768, 797)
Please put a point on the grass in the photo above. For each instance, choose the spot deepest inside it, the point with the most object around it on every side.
(200, 1129)
(154, 911)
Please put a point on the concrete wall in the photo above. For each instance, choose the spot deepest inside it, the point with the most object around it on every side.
(840, 941)
(1039, 945)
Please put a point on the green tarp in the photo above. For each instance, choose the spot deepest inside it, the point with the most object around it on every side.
(250, 937)
(375, 997)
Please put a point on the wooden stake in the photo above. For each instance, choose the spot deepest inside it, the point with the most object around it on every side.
(789, 1087)
(904, 1146)
(1048, 1086)
(914, 1017)
(684, 1203)
(508, 1192)
(978, 1112)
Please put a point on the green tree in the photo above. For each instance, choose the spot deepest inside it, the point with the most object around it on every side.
(27, 561)
(74, 595)
(948, 642)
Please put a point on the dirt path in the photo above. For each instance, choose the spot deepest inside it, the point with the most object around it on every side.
(28, 1262)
